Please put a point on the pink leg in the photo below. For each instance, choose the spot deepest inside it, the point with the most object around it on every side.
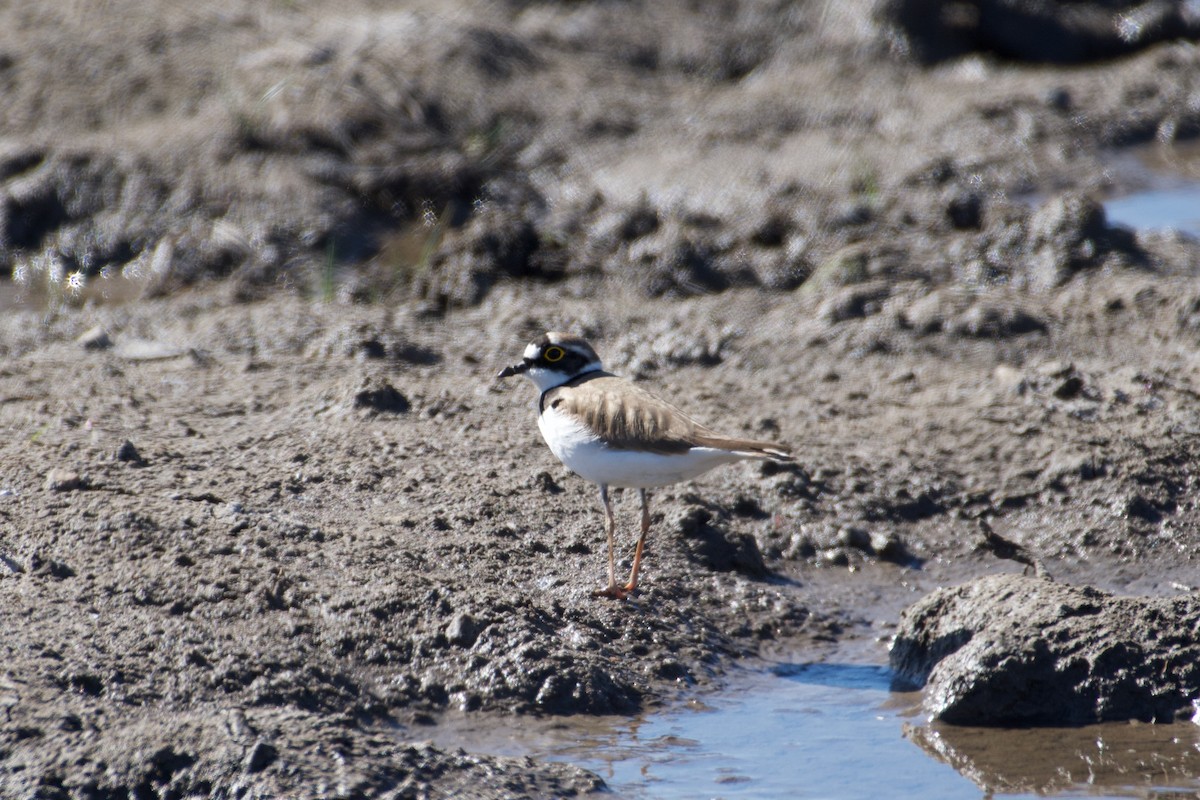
(612, 590)
(641, 542)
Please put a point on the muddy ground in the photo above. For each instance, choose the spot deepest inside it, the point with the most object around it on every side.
(263, 511)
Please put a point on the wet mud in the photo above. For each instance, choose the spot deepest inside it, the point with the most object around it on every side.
(264, 514)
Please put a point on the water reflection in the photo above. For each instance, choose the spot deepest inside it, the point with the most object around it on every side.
(45, 291)
(1115, 759)
(837, 676)
(836, 731)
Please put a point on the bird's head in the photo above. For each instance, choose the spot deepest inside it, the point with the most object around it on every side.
(554, 359)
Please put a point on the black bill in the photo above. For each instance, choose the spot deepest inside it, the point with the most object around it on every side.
(515, 369)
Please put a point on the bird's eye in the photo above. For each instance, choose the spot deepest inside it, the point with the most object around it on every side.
(553, 354)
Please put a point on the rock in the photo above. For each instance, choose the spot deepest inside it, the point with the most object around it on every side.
(890, 547)
(95, 339)
(837, 557)
(463, 630)
(857, 538)
(1016, 650)
(63, 480)
(127, 452)
(261, 756)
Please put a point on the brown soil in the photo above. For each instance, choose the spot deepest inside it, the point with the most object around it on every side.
(308, 234)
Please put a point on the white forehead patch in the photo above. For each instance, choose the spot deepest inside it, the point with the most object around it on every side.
(531, 351)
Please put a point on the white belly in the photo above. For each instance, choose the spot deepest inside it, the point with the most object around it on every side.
(585, 455)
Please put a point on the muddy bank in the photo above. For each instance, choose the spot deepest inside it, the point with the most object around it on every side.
(292, 542)
(265, 514)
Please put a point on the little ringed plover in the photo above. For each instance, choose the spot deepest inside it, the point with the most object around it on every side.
(613, 433)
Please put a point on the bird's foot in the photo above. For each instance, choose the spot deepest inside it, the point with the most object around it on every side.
(614, 591)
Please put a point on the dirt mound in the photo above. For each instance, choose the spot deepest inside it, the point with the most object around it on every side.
(1008, 650)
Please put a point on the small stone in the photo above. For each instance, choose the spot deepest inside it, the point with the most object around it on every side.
(63, 480)
(835, 558)
(127, 452)
(889, 547)
(463, 630)
(1069, 388)
(95, 339)
(261, 756)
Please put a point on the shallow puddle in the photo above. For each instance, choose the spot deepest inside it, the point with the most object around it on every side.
(40, 292)
(835, 731)
(1176, 208)
(1165, 194)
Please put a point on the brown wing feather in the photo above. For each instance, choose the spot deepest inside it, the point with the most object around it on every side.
(633, 419)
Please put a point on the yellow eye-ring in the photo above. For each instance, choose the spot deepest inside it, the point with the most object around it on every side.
(553, 354)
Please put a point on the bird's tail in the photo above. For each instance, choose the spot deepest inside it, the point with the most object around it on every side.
(751, 448)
